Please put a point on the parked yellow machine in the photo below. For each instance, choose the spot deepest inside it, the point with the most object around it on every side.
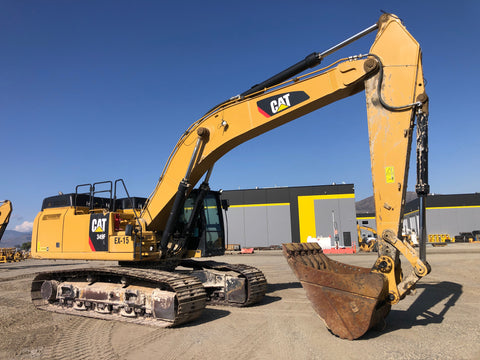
(5, 212)
(7, 254)
(439, 239)
(366, 243)
(150, 237)
(11, 255)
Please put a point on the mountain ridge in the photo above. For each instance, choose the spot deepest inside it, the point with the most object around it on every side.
(367, 205)
(12, 238)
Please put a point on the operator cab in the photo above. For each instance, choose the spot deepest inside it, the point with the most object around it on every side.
(207, 234)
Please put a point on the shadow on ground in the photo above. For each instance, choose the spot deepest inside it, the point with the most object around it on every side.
(421, 312)
(271, 288)
(208, 314)
(282, 286)
(22, 266)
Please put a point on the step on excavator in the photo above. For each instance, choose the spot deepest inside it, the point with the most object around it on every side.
(154, 239)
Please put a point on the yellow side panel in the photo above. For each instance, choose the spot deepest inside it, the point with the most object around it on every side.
(49, 230)
(75, 232)
(59, 233)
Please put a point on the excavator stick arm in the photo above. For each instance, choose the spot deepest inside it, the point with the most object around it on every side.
(350, 299)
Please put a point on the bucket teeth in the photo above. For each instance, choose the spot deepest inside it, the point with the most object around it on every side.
(350, 299)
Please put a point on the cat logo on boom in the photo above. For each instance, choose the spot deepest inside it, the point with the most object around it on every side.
(281, 102)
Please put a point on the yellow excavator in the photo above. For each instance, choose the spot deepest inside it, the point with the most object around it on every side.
(7, 254)
(365, 243)
(5, 212)
(154, 239)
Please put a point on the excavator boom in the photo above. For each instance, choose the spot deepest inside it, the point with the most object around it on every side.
(241, 119)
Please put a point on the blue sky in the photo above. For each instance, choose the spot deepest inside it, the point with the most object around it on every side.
(100, 90)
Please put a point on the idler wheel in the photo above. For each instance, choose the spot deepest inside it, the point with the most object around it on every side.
(49, 290)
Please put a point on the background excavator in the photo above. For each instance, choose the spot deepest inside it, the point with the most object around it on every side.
(365, 242)
(7, 254)
(5, 212)
(153, 239)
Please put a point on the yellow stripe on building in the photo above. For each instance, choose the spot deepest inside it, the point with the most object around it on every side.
(259, 205)
(453, 207)
(445, 208)
(306, 212)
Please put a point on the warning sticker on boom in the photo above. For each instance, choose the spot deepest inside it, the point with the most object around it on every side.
(389, 174)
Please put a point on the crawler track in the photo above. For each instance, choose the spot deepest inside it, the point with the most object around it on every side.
(190, 295)
(256, 283)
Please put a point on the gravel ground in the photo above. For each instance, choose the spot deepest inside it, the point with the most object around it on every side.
(441, 321)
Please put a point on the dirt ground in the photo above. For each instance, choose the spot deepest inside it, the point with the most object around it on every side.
(441, 321)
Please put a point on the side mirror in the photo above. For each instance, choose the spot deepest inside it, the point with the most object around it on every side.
(225, 204)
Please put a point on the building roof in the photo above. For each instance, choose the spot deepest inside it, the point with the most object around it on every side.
(451, 200)
(365, 215)
(283, 194)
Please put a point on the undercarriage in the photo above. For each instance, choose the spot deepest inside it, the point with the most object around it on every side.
(148, 296)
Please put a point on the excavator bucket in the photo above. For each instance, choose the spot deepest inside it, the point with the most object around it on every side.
(349, 299)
